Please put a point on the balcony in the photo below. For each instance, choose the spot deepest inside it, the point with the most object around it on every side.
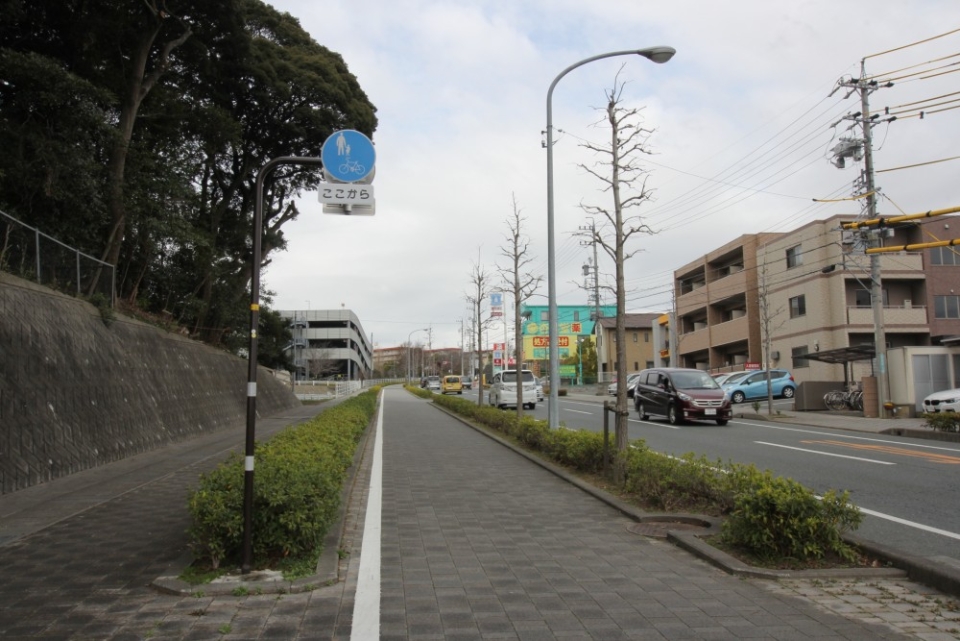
(694, 341)
(732, 331)
(914, 315)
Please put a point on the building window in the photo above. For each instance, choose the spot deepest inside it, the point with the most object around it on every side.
(636, 366)
(798, 306)
(545, 316)
(794, 257)
(576, 316)
(944, 256)
(636, 339)
(649, 364)
(946, 306)
(646, 337)
(798, 353)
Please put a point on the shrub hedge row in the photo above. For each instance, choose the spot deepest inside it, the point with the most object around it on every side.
(297, 484)
(772, 517)
(943, 421)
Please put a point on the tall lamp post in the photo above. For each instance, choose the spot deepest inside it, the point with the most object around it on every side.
(654, 54)
(409, 336)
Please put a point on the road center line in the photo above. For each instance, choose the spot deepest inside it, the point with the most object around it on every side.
(567, 409)
(800, 449)
(366, 602)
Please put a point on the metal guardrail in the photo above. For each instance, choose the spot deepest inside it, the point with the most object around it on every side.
(32, 255)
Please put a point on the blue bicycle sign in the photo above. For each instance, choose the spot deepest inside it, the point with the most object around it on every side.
(348, 156)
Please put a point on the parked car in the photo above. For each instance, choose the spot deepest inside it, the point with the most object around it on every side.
(539, 382)
(433, 383)
(503, 389)
(681, 394)
(945, 401)
(451, 385)
(755, 385)
(631, 381)
(467, 382)
(730, 377)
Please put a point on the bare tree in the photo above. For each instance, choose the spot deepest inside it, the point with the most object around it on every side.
(619, 170)
(767, 317)
(520, 282)
(323, 365)
(480, 287)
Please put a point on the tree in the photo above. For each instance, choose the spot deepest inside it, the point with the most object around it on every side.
(323, 365)
(480, 287)
(521, 284)
(619, 170)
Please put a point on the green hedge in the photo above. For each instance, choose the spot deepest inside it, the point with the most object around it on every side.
(772, 517)
(943, 421)
(297, 484)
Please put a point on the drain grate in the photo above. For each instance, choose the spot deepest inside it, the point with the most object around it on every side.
(659, 529)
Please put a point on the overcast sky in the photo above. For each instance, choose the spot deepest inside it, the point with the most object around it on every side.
(742, 118)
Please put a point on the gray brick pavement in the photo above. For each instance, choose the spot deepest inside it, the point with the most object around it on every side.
(477, 543)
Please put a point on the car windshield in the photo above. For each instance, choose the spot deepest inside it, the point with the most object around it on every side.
(510, 376)
(735, 378)
(694, 380)
(453, 379)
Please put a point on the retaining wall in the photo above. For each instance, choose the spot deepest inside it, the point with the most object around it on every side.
(76, 393)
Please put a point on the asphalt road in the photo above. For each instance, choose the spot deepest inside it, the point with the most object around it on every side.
(907, 487)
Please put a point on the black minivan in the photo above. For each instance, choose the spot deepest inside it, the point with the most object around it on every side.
(681, 394)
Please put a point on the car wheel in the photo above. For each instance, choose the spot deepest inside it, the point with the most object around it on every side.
(788, 392)
(642, 411)
(738, 397)
(721, 422)
(672, 416)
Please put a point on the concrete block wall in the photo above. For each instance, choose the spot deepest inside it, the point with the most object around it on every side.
(76, 393)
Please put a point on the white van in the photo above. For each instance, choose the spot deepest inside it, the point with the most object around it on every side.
(503, 389)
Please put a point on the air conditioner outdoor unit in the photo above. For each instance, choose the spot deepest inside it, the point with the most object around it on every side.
(774, 356)
(907, 303)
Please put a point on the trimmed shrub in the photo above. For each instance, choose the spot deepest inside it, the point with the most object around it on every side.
(779, 518)
(943, 421)
(298, 478)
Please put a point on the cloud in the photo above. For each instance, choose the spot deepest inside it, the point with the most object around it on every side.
(743, 130)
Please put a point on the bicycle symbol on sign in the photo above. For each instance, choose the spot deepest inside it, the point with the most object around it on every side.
(351, 166)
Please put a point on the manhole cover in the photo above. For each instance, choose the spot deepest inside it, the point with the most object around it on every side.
(660, 528)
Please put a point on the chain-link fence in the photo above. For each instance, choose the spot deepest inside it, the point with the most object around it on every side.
(30, 254)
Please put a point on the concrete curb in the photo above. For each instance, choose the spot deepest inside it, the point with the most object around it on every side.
(938, 572)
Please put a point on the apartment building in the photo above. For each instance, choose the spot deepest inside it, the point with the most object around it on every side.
(717, 327)
(640, 343)
(808, 291)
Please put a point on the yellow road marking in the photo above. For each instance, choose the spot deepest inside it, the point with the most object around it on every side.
(896, 451)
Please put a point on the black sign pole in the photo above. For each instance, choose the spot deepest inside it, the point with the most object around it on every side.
(247, 562)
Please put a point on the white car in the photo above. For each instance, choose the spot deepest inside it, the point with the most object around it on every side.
(631, 382)
(539, 390)
(945, 401)
(503, 389)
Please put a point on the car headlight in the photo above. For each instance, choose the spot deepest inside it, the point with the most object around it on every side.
(726, 397)
(684, 397)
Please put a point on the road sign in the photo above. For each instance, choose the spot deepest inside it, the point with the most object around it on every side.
(348, 156)
(346, 194)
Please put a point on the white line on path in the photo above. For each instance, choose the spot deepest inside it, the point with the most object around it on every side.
(636, 420)
(366, 602)
(567, 409)
(800, 449)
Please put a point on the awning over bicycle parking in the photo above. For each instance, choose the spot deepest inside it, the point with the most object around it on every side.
(843, 354)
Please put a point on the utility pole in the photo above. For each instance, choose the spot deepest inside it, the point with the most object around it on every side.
(595, 268)
(872, 237)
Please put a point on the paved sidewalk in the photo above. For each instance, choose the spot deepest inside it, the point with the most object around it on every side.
(476, 543)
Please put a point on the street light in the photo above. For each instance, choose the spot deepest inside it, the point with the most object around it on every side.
(408, 351)
(654, 54)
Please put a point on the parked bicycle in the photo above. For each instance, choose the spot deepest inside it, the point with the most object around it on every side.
(839, 400)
